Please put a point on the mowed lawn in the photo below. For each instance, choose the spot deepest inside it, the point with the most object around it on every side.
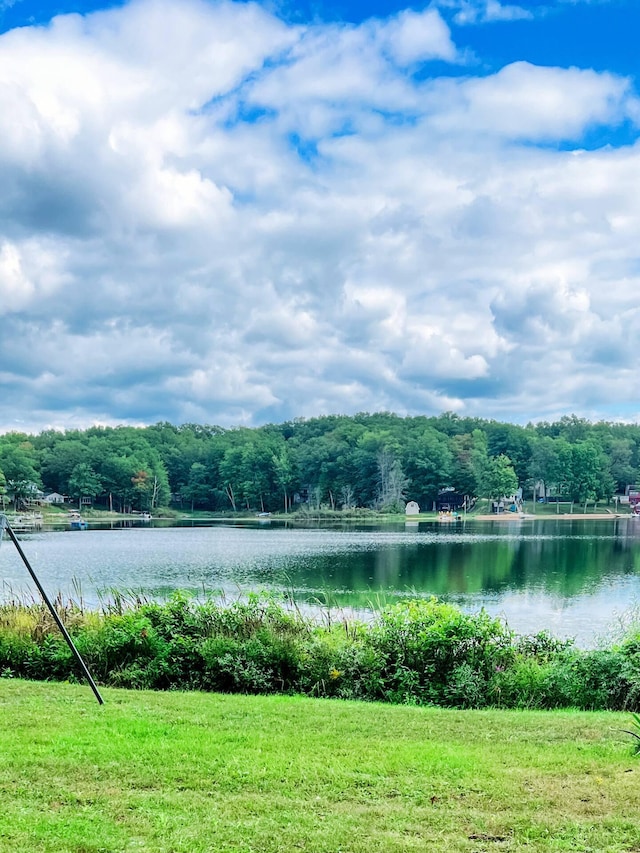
(176, 772)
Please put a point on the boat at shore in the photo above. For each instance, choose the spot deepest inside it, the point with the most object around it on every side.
(21, 522)
(77, 522)
(449, 517)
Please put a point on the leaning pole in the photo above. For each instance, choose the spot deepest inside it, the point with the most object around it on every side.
(4, 525)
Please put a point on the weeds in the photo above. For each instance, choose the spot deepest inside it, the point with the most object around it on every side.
(635, 733)
(417, 652)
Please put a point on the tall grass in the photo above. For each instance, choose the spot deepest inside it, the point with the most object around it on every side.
(417, 652)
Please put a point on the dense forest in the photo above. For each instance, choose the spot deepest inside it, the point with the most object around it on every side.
(337, 462)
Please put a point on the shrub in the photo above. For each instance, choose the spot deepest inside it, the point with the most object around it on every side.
(417, 652)
(600, 680)
(262, 664)
(122, 643)
(520, 685)
(422, 643)
(466, 688)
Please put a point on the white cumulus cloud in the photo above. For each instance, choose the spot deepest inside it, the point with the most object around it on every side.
(210, 214)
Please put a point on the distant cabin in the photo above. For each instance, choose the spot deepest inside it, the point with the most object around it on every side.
(54, 498)
(412, 508)
(449, 500)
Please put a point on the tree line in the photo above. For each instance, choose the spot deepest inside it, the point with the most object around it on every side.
(338, 462)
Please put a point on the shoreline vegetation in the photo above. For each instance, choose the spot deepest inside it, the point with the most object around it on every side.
(418, 652)
(60, 516)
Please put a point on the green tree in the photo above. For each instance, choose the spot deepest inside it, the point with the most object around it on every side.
(284, 474)
(588, 479)
(545, 463)
(198, 489)
(18, 461)
(512, 441)
(117, 473)
(84, 483)
(374, 446)
(150, 487)
(620, 458)
(118, 456)
(428, 463)
(231, 474)
(499, 479)
(61, 458)
(392, 483)
(470, 462)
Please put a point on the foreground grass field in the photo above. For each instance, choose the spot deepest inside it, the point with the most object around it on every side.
(186, 772)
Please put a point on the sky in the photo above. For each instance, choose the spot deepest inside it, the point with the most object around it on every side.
(240, 213)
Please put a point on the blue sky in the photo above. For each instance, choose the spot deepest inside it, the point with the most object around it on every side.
(237, 213)
(600, 34)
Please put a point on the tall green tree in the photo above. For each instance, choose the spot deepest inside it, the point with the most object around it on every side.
(428, 462)
(19, 463)
(512, 441)
(84, 483)
(545, 465)
(499, 479)
(59, 460)
(198, 489)
(470, 462)
(284, 475)
(620, 453)
(392, 483)
(589, 479)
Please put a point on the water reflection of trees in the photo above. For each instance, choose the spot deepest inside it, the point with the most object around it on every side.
(564, 566)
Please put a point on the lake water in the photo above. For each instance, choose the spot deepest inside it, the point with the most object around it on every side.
(575, 578)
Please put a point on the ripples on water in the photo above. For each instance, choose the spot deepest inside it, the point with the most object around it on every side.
(572, 578)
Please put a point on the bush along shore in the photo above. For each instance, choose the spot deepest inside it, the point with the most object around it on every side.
(416, 652)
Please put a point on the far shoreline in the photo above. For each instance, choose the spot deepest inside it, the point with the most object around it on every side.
(96, 517)
(565, 516)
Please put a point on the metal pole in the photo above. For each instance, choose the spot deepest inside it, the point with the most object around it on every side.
(5, 524)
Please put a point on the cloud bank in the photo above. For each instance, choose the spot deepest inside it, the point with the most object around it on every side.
(208, 214)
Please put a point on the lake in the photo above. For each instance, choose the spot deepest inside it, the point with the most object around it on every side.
(575, 578)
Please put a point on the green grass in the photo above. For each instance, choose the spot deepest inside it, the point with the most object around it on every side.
(176, 772)
(555, 510)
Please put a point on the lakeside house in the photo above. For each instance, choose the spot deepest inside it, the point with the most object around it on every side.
(449, 500)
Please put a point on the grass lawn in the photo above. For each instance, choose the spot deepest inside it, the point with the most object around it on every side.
(176, 772)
